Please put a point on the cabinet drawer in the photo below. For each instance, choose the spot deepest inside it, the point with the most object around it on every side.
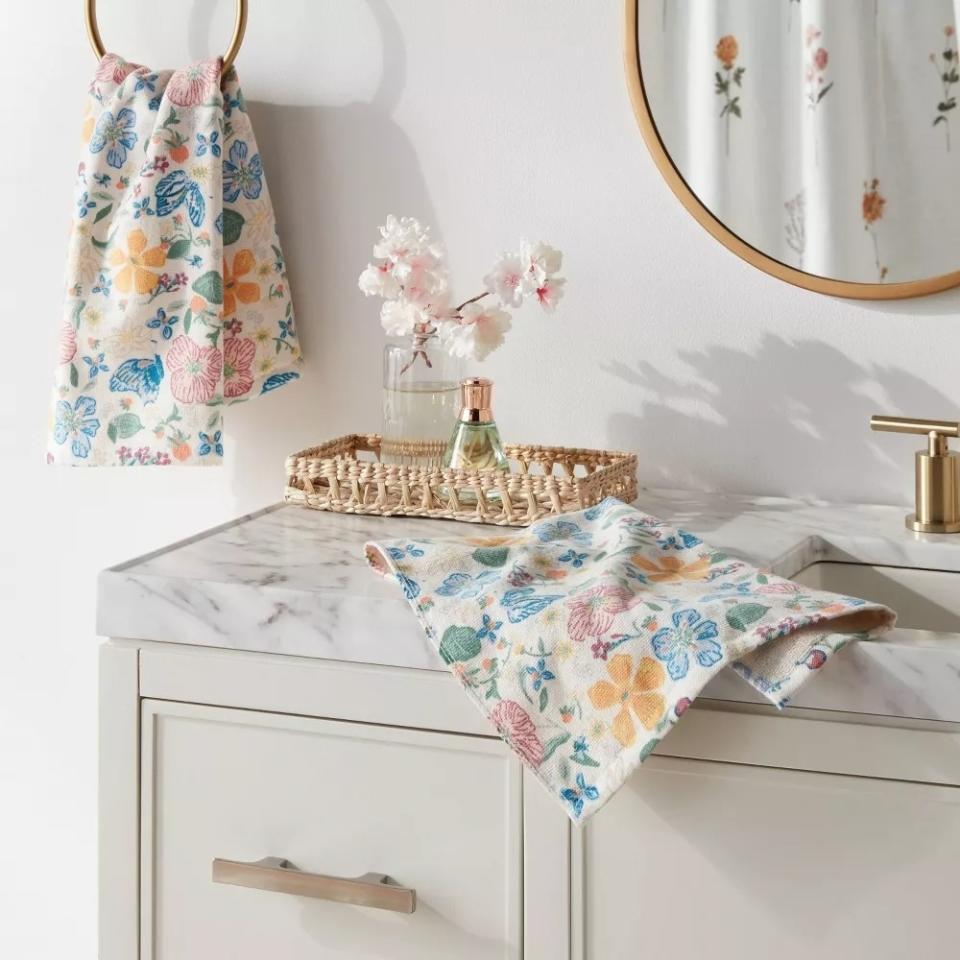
(437, 813)
(751, 862)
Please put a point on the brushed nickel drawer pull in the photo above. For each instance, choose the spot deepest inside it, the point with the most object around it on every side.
(281, 876)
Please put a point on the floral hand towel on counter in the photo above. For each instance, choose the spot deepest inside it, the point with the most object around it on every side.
(177, 296)
(586, 637)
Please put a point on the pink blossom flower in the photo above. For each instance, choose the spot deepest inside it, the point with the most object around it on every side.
(68, 342)
(550, 292)
(114, 69)
(508, 280)
(592, 612)
(238, 356)
(820, 59)
(194, 370)
(479, 332)
(194, 85)
(518, 730)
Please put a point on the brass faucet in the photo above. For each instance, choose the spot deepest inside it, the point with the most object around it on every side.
(938, 473)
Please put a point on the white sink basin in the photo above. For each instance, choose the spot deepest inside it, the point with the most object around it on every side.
(923, 599)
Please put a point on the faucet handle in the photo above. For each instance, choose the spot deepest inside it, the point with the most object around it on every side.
(936, 430)
(937, 470)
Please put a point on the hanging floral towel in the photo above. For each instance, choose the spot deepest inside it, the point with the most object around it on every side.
(585, 638)
(177, 296)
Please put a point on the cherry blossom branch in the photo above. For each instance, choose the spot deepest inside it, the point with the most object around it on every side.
(479, 296)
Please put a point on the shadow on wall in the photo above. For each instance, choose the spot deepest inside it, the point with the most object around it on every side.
(789, 415)
(314, 158)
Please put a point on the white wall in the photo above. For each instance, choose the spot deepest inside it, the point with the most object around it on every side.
(489, 119)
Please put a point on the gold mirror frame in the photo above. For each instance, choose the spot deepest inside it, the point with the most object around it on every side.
(714, 226)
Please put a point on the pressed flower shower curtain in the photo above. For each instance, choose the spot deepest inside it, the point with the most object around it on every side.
(824, 133)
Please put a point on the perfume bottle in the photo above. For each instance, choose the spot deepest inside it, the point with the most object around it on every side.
(475, 442)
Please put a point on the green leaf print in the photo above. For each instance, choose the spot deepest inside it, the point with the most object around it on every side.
(491, 556)
(74, 375)
(550, 747)
(103, 212)
(743, 614)
(210, 286)
(543, 699)
(123, 426)
(178, 249)
(459, 644)
(232, 225)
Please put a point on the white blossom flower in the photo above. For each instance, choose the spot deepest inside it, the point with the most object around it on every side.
(508, 280)
(403, 239)
(543, 261)
(479, 332)
(378, 280)
(550, 292)
(399, 318)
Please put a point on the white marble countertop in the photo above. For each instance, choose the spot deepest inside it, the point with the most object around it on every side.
(293, 581)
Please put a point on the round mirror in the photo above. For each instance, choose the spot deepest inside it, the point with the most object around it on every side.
(818, 140)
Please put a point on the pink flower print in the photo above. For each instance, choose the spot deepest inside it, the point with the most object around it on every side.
(114, 69)
(592, 612)
(518, 730)
(195, 84)
(820, 59)
(238, 355)
(68, 342)
(194, 370)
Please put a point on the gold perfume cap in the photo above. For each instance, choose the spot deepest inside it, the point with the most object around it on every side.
(476, 394)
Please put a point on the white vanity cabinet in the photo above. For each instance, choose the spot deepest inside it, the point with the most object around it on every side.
(749, 834)
(694, 859)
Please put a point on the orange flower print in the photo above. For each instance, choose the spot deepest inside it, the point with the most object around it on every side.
(133, 273)
(671, 569)
(871, 208)
(233, 288)
(631, 691)
(726, 51)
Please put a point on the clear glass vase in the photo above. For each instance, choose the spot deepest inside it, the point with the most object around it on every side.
(421, 399)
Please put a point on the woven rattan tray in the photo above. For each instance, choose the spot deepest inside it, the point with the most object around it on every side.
(543, 481)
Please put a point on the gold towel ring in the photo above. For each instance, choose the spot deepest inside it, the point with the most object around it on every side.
(239, 26)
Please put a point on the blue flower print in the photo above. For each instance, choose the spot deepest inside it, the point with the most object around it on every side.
(231, 103)
(145, 81)
(576, 795)
(84, 204)
(411, 549)
(154, 103)
(163, 323)
(286, 329)
(96, 365)
(489, 629)
(690, 633)
(102, 179)
(141, 208)
(551, 530)
(210, 143)
(117, 134)
(208, 444)
(682, 541)
(539, 674)
(573, 558)
(77, 423)
(103, 285)
(239, 173)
